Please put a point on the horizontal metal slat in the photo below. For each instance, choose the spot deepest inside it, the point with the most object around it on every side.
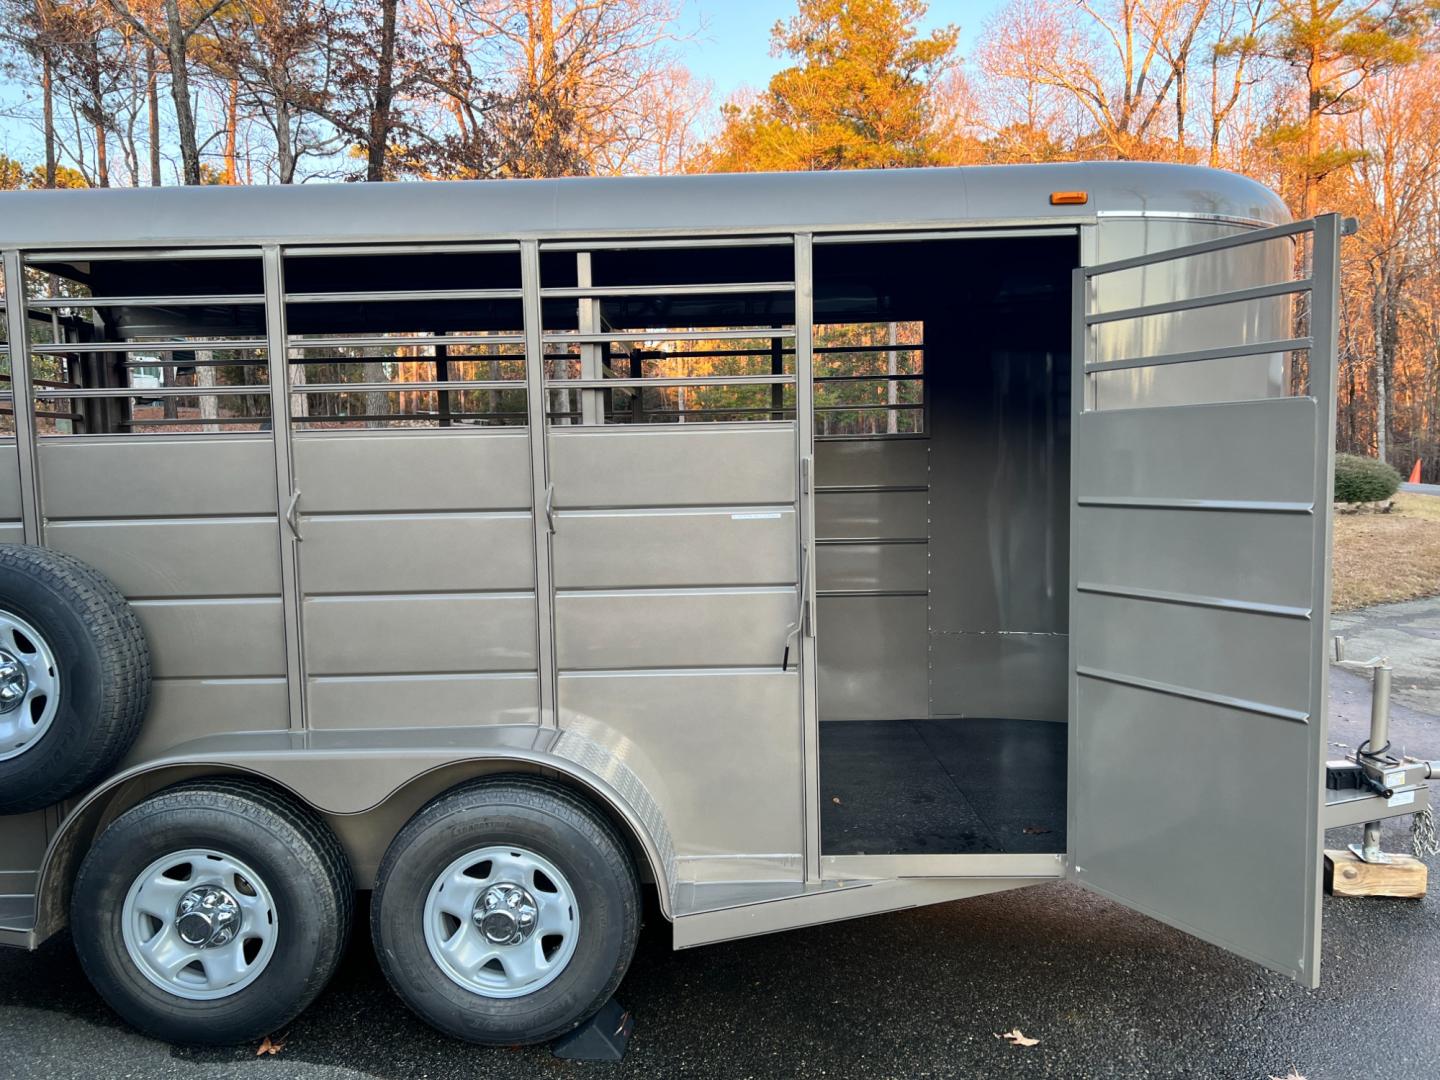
(151, 392)
(883, 377)
(140, 254)
(384, 295)
(669, 242)
(1256, 506)
(583, 292)
(1288, 611)
(1170, 689)
(1205, 247)
(1235, 296)
(363, 341)
(567, 336)
(1259, 348)
(305, 251)
(447, 384)
(146, 346)
(679, 380)
(872, 592)
(215, 300)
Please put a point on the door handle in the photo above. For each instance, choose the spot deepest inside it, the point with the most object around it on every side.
(801, 605)
(292, 519)
(550, 507)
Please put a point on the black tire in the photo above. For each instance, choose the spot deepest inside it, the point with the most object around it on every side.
(549, 821)
(292, 852)
(103, 669)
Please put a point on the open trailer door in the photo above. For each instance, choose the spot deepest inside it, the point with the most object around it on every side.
(1200, 559)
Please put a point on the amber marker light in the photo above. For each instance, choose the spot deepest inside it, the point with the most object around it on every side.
(1069, 198)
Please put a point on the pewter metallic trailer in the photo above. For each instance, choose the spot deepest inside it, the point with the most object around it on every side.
(806, 546)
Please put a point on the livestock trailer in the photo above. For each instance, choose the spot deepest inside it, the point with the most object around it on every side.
(802, 546)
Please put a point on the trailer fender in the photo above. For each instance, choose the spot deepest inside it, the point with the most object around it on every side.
(367, 784)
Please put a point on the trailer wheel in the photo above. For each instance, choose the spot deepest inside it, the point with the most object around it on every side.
(74, 677)
(506, 912)
(212, 912)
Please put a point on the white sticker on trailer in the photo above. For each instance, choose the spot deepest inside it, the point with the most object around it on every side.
(1401, 798)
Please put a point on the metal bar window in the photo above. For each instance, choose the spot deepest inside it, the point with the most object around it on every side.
(1121, 371)
(410, 336)
(669, 331)
(162, 341)
(870, 380)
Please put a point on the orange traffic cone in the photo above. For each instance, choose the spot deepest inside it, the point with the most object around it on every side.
(1415, 472)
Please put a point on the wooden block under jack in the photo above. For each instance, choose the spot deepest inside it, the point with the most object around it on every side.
(1347, 875)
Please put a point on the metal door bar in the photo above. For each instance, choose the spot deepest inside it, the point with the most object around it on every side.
(1237, 296)
(385, 295)
(1259, 348)
(140, 254)
(226, 299)
(947, 234)
(586, 292)
(287, 495)
(322, 250)
(149, 346)
(560, 337)
(1204, 247)
(540, 490)
(18, 333)
(805, 488)
(384, 340)
(1323, 376)
(670, 242)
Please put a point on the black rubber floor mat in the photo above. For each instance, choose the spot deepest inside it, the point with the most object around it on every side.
(918, 787)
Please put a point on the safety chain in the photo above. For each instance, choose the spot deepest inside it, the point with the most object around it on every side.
(1423, 838)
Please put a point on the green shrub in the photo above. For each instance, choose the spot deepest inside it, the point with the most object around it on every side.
(1362, 479)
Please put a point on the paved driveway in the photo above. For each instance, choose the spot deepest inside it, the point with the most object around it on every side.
(1108, 993)
(1409, 634)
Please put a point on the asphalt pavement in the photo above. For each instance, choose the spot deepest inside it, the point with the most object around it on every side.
(924, 993)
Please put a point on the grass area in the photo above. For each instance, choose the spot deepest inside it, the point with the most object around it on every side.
(1384, 558)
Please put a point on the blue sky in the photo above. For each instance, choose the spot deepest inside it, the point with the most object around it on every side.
(733, 49)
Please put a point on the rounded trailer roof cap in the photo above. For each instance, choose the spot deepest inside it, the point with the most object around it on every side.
(439, 211)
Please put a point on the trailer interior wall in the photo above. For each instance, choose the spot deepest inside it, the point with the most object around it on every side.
(942, 559)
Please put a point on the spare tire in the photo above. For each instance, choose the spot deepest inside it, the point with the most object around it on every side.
(74, 677)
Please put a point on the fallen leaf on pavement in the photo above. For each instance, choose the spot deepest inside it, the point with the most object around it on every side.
(271, 1046)
(1291, 1075)
(1034, 830)
(1016, 1037)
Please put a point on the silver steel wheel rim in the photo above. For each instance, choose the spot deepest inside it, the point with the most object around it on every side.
(475, 922)
(188, 946)
(29, 686)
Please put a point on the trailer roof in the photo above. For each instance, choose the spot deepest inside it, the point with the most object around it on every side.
(621, 206)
